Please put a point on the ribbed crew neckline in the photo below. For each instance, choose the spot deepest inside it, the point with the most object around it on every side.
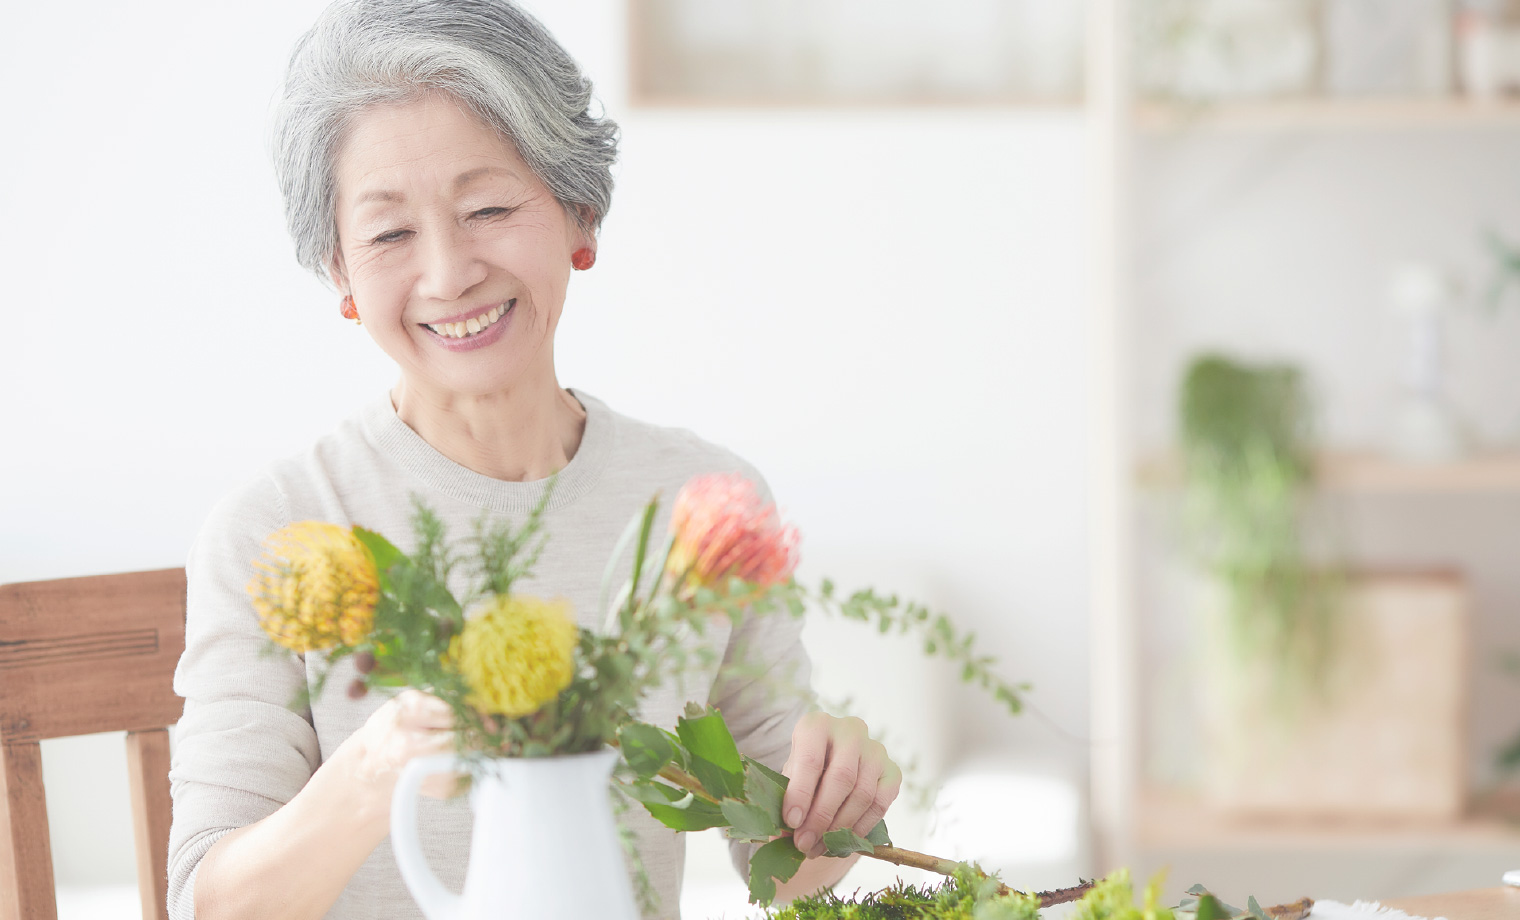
(397, 440)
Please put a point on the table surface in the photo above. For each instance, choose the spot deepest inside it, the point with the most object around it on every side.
(1501, 903)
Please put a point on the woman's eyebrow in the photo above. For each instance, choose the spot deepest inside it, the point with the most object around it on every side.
(378, 194)
(470, 175)
(460, 181)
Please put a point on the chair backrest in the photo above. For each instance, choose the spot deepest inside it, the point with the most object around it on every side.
(80, 656)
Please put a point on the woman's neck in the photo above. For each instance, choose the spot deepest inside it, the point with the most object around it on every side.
(522, 435)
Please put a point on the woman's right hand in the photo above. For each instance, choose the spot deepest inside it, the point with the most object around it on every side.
(412, 724)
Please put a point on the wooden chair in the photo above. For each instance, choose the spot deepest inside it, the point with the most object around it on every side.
(80, 656)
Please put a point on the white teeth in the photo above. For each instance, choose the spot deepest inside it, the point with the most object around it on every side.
(470, 326)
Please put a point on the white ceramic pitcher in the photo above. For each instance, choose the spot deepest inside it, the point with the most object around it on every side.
(544, 847)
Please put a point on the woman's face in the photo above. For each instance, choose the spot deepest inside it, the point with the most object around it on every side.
(440, 222)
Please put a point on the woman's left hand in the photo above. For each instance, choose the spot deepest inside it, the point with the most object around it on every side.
(839, 777)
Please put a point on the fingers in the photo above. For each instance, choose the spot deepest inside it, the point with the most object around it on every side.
(886, 793)
(804, 767)
(854, 779)
(862, 795)
(420, 711)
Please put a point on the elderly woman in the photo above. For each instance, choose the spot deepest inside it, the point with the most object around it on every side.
(441, 167)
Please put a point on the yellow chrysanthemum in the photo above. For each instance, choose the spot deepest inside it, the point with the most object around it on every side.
(517, 654)
(314, 586)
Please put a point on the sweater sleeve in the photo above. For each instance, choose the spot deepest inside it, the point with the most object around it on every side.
(240, 751)
(762, 691)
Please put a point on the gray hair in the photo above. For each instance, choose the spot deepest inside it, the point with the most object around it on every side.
(490, 55)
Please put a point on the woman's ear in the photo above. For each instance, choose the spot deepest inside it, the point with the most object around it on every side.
(585, 236)
(336, 272)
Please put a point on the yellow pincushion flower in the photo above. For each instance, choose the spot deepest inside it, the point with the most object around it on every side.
(517, 654)
(314, 586)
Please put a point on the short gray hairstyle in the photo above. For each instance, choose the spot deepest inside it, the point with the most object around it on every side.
(490, 55)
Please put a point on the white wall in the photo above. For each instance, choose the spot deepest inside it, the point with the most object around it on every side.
(881, 309)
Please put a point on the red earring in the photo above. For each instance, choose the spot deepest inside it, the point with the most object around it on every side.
(349, 309)
(583, 259)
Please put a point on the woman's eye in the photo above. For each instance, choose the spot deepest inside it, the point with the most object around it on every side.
(392, 237)
(489, 212)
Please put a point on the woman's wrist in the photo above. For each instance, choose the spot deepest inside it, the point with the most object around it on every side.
(352, 795)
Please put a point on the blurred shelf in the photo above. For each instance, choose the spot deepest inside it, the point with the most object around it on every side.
(1365, 471)
(1323, 113)
(1175, 821)
(648, 99)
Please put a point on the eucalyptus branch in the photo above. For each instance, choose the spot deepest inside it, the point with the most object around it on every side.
(940, 637)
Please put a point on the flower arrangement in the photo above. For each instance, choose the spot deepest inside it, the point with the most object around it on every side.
(524, 680)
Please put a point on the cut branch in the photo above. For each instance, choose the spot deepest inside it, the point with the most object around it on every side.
(1063, 895)
(1298, 910)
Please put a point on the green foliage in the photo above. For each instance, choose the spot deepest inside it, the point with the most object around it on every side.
(778, 860)
(964, 896)
(1204, 905)
(723, 789)
(1113, 898)
(1505, 269)
(1508, 760)
(1245, 435)
(970, 896)
(891, 615)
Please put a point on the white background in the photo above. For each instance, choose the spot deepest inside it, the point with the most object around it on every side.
(883, 310)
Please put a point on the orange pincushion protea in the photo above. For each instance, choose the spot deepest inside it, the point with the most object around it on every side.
(314, 586)
(723, 530)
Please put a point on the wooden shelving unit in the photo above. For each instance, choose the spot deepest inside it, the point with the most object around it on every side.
(1171, 819)
(1133, 824)
(1329, 114)
(1366, 471)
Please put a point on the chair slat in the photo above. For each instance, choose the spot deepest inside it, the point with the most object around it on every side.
(148, 772)
(26, 854)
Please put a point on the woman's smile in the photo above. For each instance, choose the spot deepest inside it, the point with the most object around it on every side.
(475, 331)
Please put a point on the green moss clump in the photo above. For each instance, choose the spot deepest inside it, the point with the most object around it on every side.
(968, 896)
(963, 897)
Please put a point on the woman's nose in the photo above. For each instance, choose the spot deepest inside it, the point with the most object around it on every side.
(449, 266)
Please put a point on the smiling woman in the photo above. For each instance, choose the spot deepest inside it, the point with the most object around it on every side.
(450, 245)
(442, 169)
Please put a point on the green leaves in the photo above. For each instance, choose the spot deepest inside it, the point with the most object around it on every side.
(777, 861)
(891, 615)
(737, 793)
(676, 808)
(843, 842)
(748, 821)
(646, 749)
(1210, 908)
(713, 756)
(1204, 905)
(764, 789)
(382, 551)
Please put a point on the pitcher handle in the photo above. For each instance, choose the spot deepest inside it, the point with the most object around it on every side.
(436, 901)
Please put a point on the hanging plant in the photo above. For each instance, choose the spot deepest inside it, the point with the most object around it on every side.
(1247, 459)
(1508, 758)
